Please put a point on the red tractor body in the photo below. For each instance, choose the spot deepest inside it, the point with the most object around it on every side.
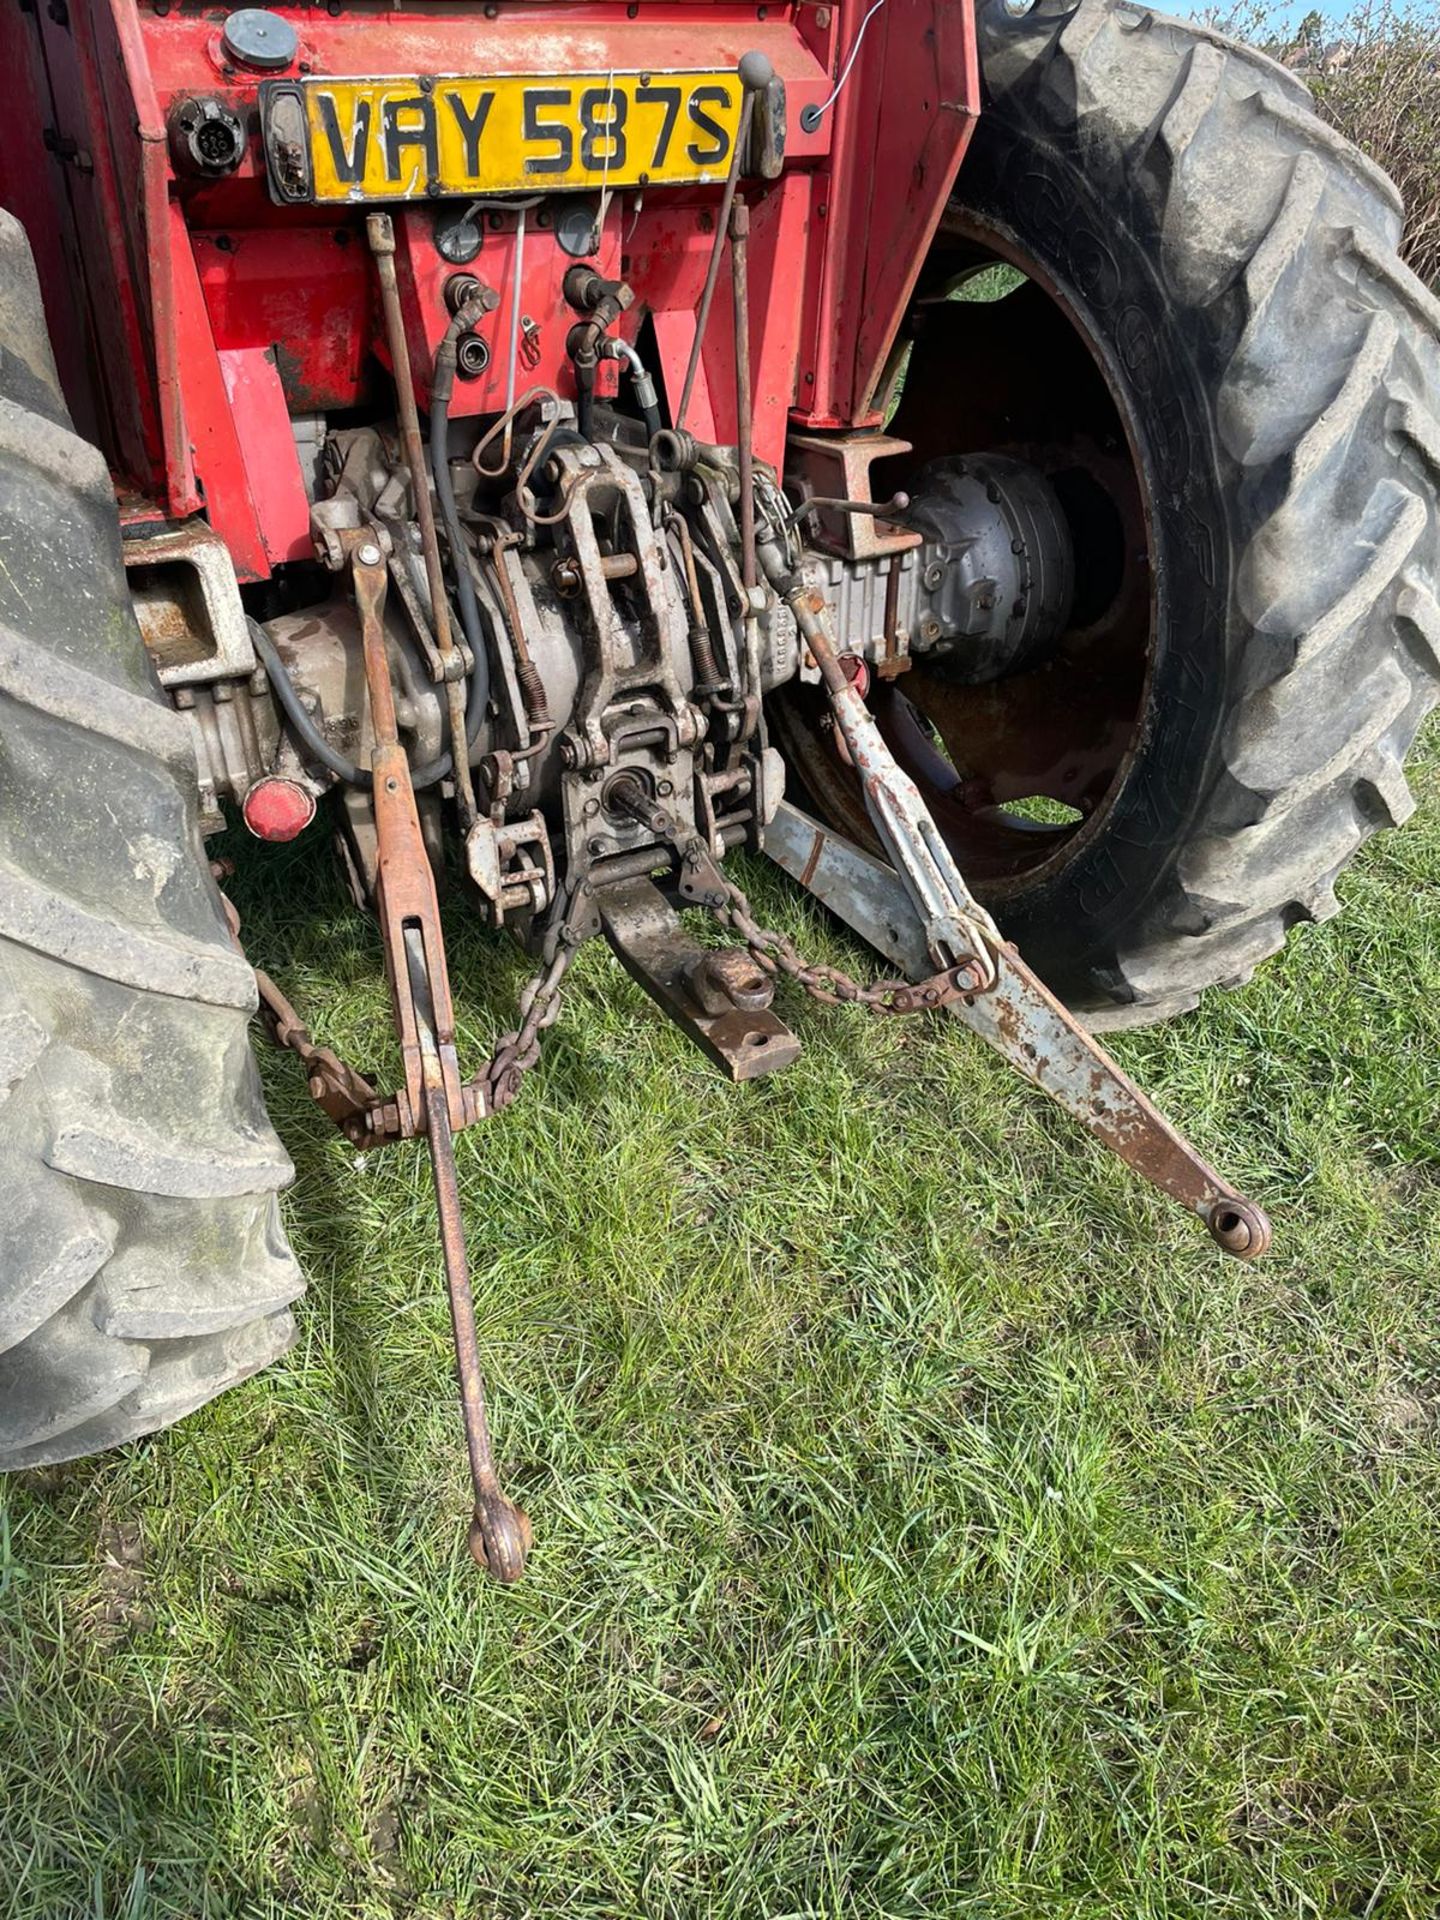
(194, 318)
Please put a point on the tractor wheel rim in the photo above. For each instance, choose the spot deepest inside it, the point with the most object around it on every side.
(1057, 741)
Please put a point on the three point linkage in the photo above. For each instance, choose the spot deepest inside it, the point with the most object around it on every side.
(953, 954)
(993, 992)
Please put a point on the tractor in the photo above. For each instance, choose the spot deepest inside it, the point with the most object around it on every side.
(980, 454)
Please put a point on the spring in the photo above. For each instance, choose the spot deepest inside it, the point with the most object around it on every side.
(532, 691)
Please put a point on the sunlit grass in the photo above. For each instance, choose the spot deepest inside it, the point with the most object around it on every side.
(928, 1521)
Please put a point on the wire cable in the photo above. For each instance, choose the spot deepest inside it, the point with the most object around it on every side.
(294, 710)
(811, 116)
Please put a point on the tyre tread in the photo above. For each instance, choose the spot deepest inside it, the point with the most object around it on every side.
(1322, 400)
(143, 1267)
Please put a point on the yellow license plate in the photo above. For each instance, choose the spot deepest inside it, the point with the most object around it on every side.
(355, 140)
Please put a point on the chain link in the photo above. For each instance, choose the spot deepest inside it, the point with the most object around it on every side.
(346, 1095)
(351, 1100)
(336, 1087)
(517, 1052)
(707, 885)
(831, 986)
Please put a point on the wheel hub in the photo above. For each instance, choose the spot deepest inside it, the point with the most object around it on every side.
(997, 571)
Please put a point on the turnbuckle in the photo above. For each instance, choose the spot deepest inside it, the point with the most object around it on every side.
(958, 930)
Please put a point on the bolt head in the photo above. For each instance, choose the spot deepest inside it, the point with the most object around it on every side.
(368, 555)
(1017, 9)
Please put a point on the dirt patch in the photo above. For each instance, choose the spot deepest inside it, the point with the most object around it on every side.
(121, 1608)
(1400, 1418)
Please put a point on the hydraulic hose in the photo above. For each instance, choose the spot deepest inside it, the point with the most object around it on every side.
(641, 384)
(380, 229)
(585, 401)
(311, 738)
(441, 387)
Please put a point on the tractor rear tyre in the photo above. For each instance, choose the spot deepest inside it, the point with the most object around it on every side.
(143, 1266)
(1171, 286)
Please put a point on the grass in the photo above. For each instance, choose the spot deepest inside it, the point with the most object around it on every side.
(928, 1520)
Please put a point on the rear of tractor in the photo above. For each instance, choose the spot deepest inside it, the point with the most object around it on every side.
(983, 459)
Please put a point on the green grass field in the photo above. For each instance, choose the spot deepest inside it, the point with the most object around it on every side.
(928, 1520)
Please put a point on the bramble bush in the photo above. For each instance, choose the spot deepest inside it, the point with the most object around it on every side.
(1376, 76)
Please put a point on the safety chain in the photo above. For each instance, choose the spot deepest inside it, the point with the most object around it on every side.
(353, 1103)
(351, 1100)
(345, 1095)
(516, 1053)
(703, 882)
(777, 953)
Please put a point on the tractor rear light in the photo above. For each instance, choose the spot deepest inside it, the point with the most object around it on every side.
(278, 809)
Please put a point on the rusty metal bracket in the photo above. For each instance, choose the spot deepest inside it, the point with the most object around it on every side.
(1026, 1024)
(721, 1000)
(405, 897)
(345, 1095)
(832, 471)
(434, 1101)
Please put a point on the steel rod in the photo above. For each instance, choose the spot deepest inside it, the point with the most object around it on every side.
(499, 1532)
(380, 231)
(744, 404)
(712, 271)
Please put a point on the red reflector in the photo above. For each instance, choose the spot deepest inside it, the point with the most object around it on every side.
(278, 809)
